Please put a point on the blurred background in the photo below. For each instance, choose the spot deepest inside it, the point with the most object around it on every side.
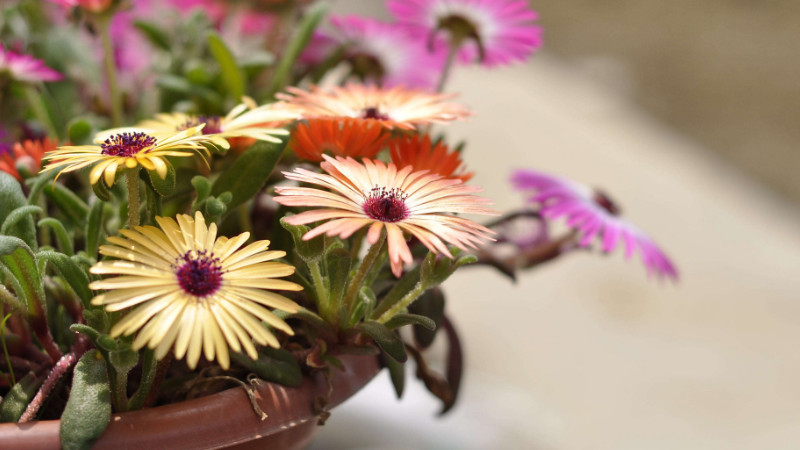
(687, 114)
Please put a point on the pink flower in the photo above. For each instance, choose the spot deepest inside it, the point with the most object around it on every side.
(493, 32)
(591, 214)
(387, 53)
(25, 67)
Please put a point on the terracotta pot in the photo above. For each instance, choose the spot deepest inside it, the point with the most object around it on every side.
(222, 420)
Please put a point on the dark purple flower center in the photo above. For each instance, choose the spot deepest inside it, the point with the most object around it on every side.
(127, 144)
(460, 29)
(374, 113)
(605, 202)
(213, 124)
(386, 205)
(199, 274)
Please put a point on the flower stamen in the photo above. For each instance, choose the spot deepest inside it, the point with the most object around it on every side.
(199, 273)
(127, 144)
(386, 205)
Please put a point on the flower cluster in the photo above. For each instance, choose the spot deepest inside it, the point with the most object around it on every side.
(282, 205)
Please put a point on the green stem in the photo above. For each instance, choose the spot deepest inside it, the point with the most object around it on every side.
(403, 303)
(132, 181)
(361, 274)
(323, 301)
(448, 65)
(111, 71)
(149, 367)
(36, 103)
(119, 386)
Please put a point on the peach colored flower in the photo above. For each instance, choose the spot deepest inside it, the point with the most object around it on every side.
(395, 107)
(379, 195)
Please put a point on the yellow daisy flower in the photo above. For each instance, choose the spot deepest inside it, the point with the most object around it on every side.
(246, 120)
(127, 150)
(189, 290)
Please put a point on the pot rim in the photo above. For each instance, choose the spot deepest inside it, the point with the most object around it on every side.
(222, 419)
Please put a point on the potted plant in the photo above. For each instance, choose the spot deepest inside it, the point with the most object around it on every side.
(173, 251)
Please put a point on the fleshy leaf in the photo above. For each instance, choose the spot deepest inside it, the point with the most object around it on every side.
(386, 339)
(275, 365)
(400, 320)
(71, 273)
(11, 198)
(17, 399)
(88, 409)
(232, 76)
(431, 305)
(249, 173)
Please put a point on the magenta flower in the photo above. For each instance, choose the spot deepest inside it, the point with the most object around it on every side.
(387, 53)
(25, 67)
(493, 32)
(591, 214)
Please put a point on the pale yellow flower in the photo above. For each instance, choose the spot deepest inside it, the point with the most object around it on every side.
(127, 150)
(189, 290)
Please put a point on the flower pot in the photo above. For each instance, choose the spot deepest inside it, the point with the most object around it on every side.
(222, 420)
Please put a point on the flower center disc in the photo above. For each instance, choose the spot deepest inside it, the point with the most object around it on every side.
(200, 274)
(606, 203)
(213, 124)
(127, 144)
(386, 205)
(374, 113)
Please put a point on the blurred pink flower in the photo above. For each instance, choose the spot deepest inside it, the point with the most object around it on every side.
(387, 52)
(493, 32)
(25, 67)
(591, 214)
(319, 48)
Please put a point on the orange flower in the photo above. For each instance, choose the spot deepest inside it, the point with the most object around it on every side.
(395, 107)
(29, 152)
(418, 152)
(379, 196)
(340, 137)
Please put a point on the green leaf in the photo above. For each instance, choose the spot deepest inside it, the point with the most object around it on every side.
(309, 251)
(399, 320)
(431, 305)
(437, 268)
(16, 400)
(158, 37)
(386, 339)
(94, 228)
(18, 258)
(397, 372)
(79, 131)
(71, 273)
(88, 409)
(16, 216)
(275, 365)
(70, 204)
(11, 198)
(249, 173)
(232, 76)
(101, 191)
(164, 186)
(338, 262)
(62, 237)
(298, 42)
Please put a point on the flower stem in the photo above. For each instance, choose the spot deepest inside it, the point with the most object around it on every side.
(110, 65)
(361, 274)
(36, 103)
(119, 388)
(62, 366)
(132, 181)
(403, 303)
(323, 300)
(149, 367)
(448, 65)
